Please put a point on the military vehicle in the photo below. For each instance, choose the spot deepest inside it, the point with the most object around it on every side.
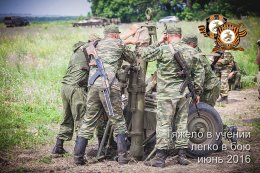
(13, 21)
(96, 21)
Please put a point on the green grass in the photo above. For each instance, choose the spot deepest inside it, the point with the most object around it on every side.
(33, 61)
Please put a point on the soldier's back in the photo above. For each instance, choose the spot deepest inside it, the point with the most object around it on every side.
(78, 61)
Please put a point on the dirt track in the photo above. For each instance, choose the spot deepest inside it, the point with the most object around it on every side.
(242, 110)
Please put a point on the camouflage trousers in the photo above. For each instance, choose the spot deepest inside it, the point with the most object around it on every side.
(101, 125)
(235, 80)
(224, 88)
(74, 108)
(210, 96)
(95, 102)
(171, 111)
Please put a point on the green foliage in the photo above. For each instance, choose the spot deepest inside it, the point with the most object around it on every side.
(189, 10)
(32, 63)
(46, 159)
(81, 18)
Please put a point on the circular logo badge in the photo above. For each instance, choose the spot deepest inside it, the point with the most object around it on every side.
(214, 24)
(227, 36)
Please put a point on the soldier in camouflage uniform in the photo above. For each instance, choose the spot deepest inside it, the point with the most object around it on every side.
(172, 104)
(234, 77)
(224, 65)
(112, 52)
(176, 34)
(211, 85)
(73, 91)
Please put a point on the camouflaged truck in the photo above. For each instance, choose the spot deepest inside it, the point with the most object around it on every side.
(13, 21)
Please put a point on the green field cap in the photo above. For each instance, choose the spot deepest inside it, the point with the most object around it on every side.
(111, 29)
(171, 29)
(190, 38)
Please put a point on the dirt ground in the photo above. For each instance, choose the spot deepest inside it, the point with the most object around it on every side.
(243, 109)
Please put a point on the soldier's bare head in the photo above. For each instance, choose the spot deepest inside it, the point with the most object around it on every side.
(112, 31)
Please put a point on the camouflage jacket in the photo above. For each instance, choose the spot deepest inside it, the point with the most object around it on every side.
(210, 78)
(235, 67)
(112, 52)
(168, 79)
(77, 69)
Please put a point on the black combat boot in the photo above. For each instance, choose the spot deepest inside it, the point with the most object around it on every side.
(233, 130)
(58, 148)
(79, 151)
(182, 159)
(223, 99)
(158, 160)
(122, 149)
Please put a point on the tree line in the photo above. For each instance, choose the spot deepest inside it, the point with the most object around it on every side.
(133, 10)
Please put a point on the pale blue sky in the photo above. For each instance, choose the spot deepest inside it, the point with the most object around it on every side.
(45, 7)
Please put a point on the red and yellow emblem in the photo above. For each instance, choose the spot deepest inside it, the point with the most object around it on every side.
(228, 37)
(212, 23)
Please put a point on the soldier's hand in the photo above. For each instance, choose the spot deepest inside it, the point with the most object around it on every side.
(230, 75)
(134, 28)
(92, 63)
(196, 100)
(163, 38)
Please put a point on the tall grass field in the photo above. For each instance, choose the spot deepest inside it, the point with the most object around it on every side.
(34, 59)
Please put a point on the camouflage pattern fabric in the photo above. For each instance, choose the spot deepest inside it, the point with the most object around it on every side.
(225, 69)
(211, 86)
(112, 52)
(210, 96)
(101, 125)
(169, 111)
(235, 79)
(171, 103)
(73, 96)
(95, 102)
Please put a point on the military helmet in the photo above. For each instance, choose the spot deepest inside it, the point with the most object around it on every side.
(111, 29)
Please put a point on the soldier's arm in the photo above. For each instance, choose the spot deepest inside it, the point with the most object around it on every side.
(152, 52)
(129, 55)
(198, 74)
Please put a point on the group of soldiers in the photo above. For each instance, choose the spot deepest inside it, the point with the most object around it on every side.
(83, 101)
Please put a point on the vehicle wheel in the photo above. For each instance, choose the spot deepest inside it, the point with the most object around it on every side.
(208, 122)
